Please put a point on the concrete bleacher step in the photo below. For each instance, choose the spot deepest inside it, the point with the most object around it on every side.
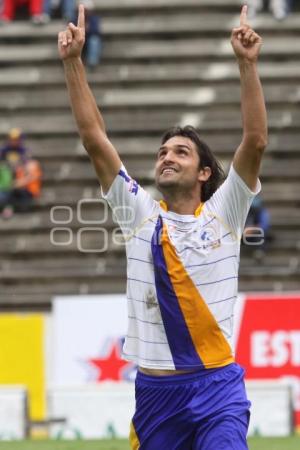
(273, 192)
(141, 166)
(264, 271)
(282, 217)
(36, 275)
(137, 49)
(16, 54)
(187, 49)
(64, 239)
(168, 5)
(284, 259)
(94, 211)
(18, 294)
(70, 193)
(283, 145)
(252, 284)
(145, 122)
(159, 23)
(163, 97)
(190, 23)
(67, 262)
(218, 96)
(149, 74)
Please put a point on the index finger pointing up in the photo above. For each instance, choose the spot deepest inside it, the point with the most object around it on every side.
(243, 18)
(81, 20)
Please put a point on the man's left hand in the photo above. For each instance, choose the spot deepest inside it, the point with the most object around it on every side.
(245, 42)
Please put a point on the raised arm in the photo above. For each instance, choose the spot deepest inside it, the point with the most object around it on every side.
(246, 45)
(87, 115)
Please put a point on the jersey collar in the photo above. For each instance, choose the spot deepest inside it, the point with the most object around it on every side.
(197, 212)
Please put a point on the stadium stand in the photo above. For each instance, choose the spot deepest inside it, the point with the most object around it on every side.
(165, 62)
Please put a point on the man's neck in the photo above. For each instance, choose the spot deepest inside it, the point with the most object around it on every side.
(182, 205)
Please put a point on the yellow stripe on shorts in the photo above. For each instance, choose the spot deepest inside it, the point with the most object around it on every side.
(133, 439)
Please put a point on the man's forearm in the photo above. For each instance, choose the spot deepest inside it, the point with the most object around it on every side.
(89, 121)
(84, 106)
(252, 103)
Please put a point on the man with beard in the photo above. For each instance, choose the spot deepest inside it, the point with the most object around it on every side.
(183, 255)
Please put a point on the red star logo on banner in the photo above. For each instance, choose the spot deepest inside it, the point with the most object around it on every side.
(110, 367)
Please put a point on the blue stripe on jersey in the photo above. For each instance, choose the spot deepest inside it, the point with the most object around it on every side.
(181, 345)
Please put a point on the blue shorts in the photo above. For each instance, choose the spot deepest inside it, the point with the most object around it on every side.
(204, 410)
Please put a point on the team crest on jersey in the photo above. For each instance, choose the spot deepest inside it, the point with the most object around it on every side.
(209, 236)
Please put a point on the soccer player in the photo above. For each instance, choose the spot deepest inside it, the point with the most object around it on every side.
(183, 257)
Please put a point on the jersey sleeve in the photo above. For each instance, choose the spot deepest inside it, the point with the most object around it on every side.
(130, 203)
(232, 200)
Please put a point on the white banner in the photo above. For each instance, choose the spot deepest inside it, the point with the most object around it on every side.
(92, 412)
(88, 333)
(12, 412)
(271, 411)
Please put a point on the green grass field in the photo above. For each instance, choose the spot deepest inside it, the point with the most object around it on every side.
(292, 443)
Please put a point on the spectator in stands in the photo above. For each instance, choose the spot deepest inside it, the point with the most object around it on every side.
(279, 8)
(14, 147)
(62, 8)
(27, 184)
(35, 8)
(257, 228)
(26, 174)
(6, 182)
(25, 188)
(93, 42)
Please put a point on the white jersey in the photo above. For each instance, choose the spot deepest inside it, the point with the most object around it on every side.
(182, 273)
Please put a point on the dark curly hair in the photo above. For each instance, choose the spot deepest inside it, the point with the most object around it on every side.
(206, 156)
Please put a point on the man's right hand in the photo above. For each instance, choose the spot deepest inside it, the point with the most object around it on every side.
(71, 41)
